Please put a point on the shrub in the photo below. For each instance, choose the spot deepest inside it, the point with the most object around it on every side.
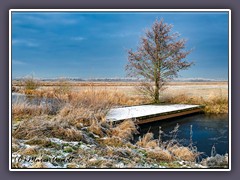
(30, 84)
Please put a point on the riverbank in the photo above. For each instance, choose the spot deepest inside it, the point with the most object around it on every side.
(52, 143)
(212, 105)
(57, 153)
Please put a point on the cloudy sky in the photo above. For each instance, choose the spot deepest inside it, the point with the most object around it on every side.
(95, 44)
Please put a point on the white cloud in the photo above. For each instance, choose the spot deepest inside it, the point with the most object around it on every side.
(16, 62)
(123, 34)
(47, 18)
(78, 38)
(28, 43)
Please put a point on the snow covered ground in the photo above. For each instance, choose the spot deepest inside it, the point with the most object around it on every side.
(122, 113)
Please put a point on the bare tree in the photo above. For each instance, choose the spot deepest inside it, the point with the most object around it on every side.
(158, 59)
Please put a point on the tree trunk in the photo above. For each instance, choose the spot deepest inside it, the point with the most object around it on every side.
(156, 93)
(157, 70)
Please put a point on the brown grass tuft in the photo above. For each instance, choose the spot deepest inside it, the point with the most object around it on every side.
(111, 141)
(40, 141)
(125, 130)
(72, 165)
(96, 128)
(217, 105)
(147, 141)
(160, 155)
(29, 151)
(23, 109)
(182, 153)
(41, 127)
(71, 133)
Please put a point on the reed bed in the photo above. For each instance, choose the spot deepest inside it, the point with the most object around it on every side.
(212, 105)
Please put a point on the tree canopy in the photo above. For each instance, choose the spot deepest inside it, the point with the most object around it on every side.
(158, 59)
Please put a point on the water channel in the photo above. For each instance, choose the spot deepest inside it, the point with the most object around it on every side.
(207, 131)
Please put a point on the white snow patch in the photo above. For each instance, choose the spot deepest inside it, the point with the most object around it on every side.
(17, 94)
(50, 165)
(26, 164)
(84, 147)
(60, 142)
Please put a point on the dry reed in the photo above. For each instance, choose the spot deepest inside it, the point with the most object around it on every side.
(213, 104)
(21, 109)
(125, 130)
(147, 141)
(183, 153)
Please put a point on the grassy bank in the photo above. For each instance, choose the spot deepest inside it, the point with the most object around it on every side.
(77, 130)
(212, 105)
(82, 120)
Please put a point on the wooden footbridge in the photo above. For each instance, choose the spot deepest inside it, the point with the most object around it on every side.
(149, 113)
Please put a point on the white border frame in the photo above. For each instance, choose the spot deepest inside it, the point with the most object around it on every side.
(117, 10)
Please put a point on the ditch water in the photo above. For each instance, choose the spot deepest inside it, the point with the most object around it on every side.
(207, 131)
(20, 98)
(55, 104)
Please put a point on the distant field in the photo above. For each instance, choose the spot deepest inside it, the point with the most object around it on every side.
(118, 83)
(193, 89)
(190, 89)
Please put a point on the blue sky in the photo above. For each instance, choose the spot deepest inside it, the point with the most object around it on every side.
(95, 44)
